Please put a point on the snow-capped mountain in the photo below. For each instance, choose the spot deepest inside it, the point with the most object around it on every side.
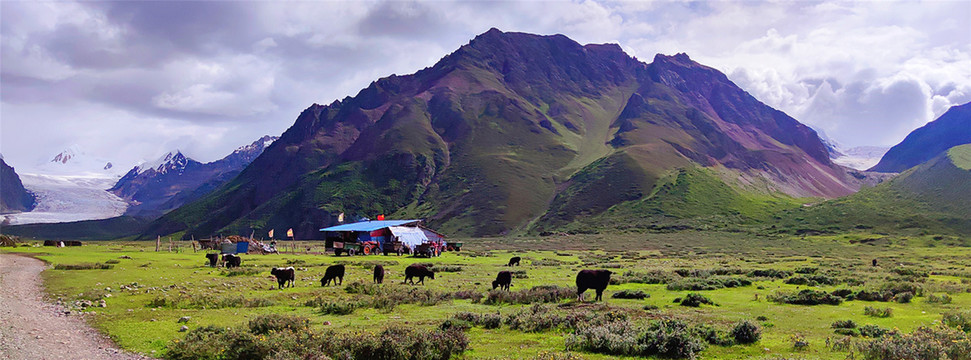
(74, 161)
(155, 187)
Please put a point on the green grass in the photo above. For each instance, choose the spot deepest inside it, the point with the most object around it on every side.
(133, 324)
(961, 156)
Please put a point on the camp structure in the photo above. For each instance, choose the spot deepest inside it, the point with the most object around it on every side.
(384, 236)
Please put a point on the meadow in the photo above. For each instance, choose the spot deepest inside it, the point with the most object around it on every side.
(814, 297)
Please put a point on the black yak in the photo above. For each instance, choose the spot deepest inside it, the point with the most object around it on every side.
(213, 259)
(284, 275)
(502, 280)
(419, 271)
(333, 273)
(514, 261)
(592, 279)
(232, 261)
(378, 274)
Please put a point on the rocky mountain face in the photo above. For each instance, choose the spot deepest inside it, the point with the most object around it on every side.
(517, 132)
(13, 197)
(949, 130)
(157, 187)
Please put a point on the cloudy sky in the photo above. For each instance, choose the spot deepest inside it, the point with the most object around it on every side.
(131, 80)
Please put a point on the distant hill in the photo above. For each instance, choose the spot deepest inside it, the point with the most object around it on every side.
(174, 179)
(517, 132)
(949, 130)
(13, 196)
(104, 229)
(934, 196)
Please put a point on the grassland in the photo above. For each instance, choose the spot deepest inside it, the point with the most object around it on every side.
(147, 292)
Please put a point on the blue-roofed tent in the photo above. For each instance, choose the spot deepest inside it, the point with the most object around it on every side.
(408, 232)
(371, 225)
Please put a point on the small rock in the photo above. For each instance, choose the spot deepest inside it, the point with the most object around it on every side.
(183, 328)
(326, 322)
(153, 320)
(184, 319)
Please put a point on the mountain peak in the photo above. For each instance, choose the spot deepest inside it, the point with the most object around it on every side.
(65, 156)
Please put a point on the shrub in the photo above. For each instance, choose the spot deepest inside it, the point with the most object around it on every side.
(112, 261)
(695, 300)
(799, 342)
(334, 308)
(519, 274)
(83, 266)
(630, 294)
(813, 280)
(488, 321)
(910, 272)
(806, 297)
(806, 270)
(536, 294)
(873, 331)
(361, 287)
(473, 295)
(960, 320)
(650, 307)
(538, 318)
(843, 324)
(446, 268)
(939, 299)
(712, 283)
(650, 277)
(877, 312)
(770, 273)
(264, 324)
(241, 271)
(670, 338)
(924, 343)
(746, 332)
(212, 342)
(903, 297)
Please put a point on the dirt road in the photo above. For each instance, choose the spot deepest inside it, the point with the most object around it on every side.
(31, 328)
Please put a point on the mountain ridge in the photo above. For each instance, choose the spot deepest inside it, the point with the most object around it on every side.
(483, 142)
(934, 138)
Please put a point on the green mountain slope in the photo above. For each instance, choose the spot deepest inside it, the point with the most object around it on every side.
(932, 197)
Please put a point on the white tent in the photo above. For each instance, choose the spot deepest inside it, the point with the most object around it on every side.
(411, 236)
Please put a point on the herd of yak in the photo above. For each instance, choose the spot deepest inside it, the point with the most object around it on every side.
(586, 279)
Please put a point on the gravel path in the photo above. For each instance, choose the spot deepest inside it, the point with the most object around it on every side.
(31, 328)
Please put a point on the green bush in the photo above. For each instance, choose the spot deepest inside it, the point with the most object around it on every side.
(877, 312)
(695, 300)
(924, 343)
(958, 319)
(873, 331)
(812, 280)
(334, 308)
(630, 294)
(264, 324)
(843, 324)
(806, 297)
(746, 332)
(711, 283)
(536, 294)
(770, 273)
(83, 266)
(670, 339)
(903, 297)
(939, 299)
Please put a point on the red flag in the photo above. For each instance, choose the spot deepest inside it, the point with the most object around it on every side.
(271, 233)
(381, 217)
(290, 232)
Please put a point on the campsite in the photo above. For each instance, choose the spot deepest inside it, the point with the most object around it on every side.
(145, 293)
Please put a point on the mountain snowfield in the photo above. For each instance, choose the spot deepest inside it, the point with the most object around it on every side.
(71, 187)
(861, 157)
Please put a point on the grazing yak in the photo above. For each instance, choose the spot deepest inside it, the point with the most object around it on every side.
(378, 274)
(502, 280)
(232, 261)
(333, 273)
(419, 271)
(284, 275)
(514, 261)
(213, 259)
(592, 279)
